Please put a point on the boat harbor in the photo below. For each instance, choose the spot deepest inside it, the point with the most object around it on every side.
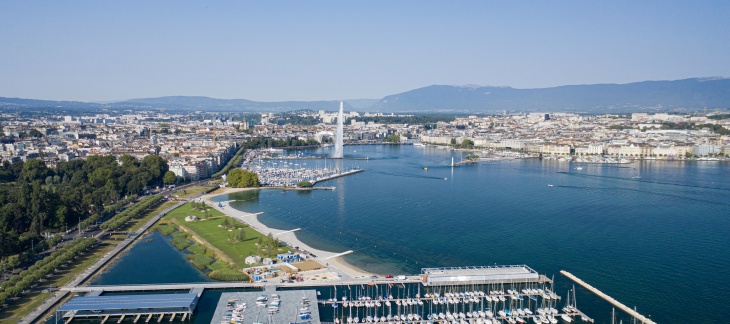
(483, 294)
(289, 174)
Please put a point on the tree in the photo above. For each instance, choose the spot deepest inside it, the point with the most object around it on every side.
(128, 161)
(239, 178)
(169, 178)
(34, 169)
(304, 184)
(393, 138)
(467, 143)
(240, 235)
(156, 166)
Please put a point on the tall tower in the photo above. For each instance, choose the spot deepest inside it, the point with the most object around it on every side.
(338, 154)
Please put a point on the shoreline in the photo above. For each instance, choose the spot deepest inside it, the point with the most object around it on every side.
(327, 258)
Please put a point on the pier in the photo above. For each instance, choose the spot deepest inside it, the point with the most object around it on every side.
(608, 298)
(289, 231)
(338, 255)
(338, 175)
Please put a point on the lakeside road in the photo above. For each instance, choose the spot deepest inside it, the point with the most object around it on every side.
(332, 260)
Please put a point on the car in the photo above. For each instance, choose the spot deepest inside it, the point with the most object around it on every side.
(389, 276)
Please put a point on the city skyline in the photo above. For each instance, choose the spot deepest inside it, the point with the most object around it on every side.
(331, 51)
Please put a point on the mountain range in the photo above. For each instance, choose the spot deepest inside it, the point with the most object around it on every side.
(678, 95)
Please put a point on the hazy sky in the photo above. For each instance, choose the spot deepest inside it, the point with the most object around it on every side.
(307, 50)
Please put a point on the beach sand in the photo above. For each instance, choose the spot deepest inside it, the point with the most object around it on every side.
(335, 264)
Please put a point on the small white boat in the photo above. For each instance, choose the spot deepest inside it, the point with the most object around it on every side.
(566, 318)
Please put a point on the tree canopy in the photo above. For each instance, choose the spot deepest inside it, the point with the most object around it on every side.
(37, 199)
(169, 178)
(239, 178)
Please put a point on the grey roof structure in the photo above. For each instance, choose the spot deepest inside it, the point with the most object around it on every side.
(130, 302)
(479, 274)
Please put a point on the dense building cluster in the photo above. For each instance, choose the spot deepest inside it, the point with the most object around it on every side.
(195, 148)
(659, 136)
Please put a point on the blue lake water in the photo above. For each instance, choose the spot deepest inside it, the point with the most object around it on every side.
(659, 243)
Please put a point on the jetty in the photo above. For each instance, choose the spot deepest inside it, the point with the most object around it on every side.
(338, 175)
(608, 298)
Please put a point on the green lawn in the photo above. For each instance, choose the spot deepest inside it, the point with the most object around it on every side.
(193, 191)
(209, 231)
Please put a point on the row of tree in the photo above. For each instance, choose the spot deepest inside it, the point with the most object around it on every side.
(22, 281)
(411, 119)
(232, 163)
(267, 142)
(35, 200)
(110, 209)
(122, 218)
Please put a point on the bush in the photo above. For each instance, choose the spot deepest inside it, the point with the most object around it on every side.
(181, 243)
(179, 235)
(228, 276)
(304, 184)
(200, 261)
(197, 249)
(164, 229)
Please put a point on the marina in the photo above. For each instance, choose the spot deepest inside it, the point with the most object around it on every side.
(482, 294)
(289, 174)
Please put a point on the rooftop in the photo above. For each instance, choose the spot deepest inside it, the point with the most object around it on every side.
(130, 304)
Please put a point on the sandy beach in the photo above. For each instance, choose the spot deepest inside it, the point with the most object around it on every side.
(335, 264)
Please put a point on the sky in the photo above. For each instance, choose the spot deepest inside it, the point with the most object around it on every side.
(330, 50)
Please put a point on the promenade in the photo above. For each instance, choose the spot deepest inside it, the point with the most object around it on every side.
(332, 260)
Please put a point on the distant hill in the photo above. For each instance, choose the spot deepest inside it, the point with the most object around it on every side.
(648, 96)
(175, 103)
(360, 104)
(212, 104)
(19, 103)
(685, 94)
